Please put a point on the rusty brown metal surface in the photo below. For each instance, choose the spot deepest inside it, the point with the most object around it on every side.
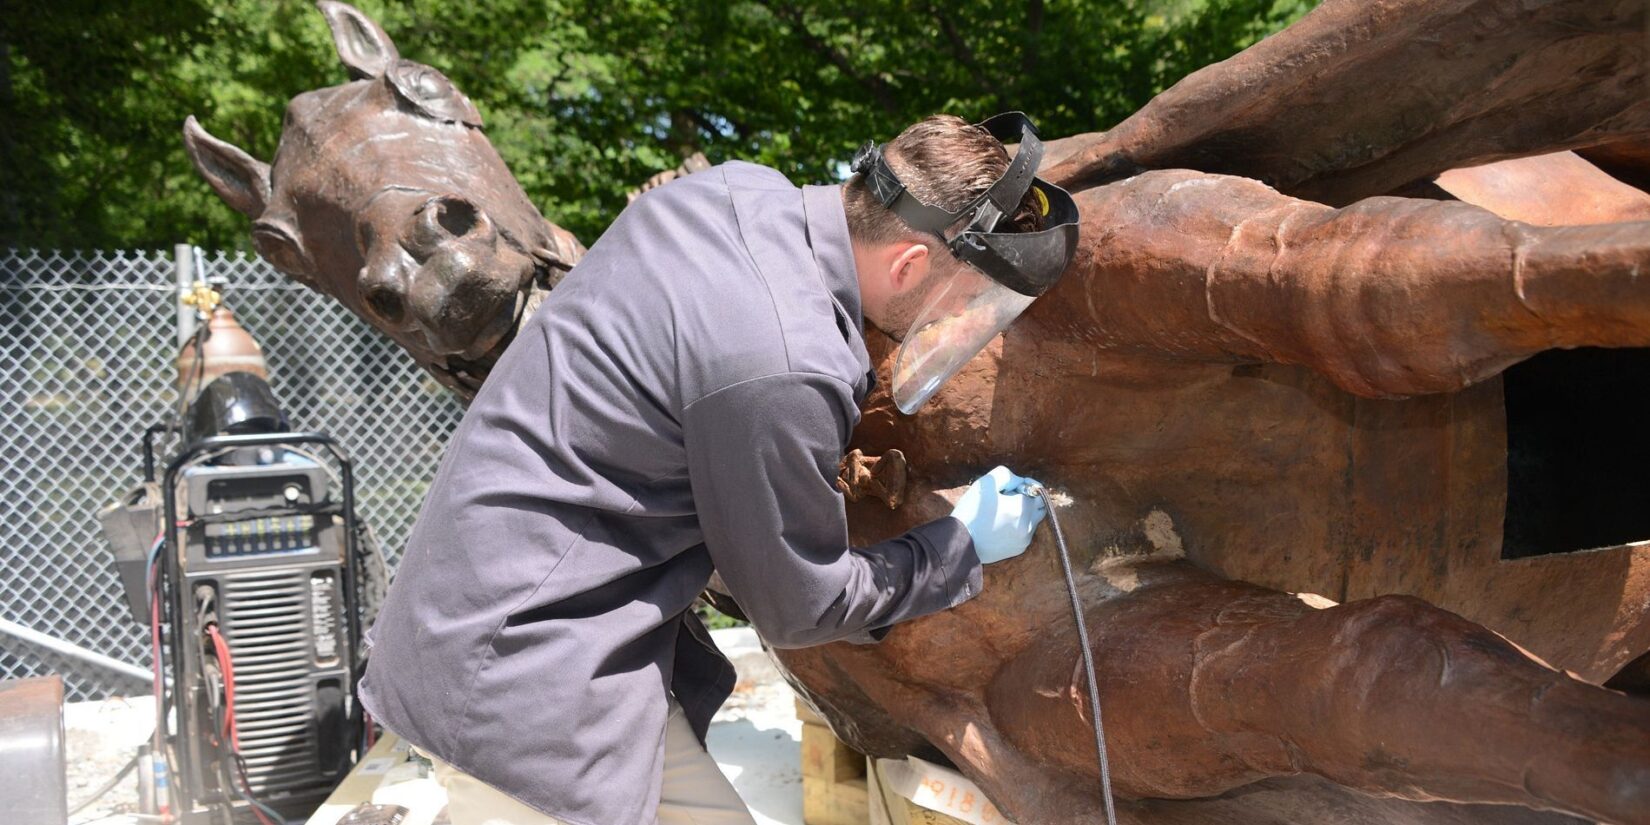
(880, 477)
(1360, 97)
(1626, 160)
(1560, 189)
(1194, 266)
(1281, 424)
(1329, 494)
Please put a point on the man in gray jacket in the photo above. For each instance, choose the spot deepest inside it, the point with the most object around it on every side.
(678, 406)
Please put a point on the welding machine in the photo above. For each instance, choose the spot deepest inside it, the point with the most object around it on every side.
(251, 594)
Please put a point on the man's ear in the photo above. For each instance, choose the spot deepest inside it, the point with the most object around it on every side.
(909, 268)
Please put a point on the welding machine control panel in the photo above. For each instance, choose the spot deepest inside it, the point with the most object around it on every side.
(245, 512)
(267, 534)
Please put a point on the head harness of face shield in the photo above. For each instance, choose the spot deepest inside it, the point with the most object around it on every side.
(1007, 270)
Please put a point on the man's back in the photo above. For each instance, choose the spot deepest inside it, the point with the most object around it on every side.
(535, 625)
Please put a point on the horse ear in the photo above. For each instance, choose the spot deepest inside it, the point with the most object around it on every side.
(364, 47)
(241, 180)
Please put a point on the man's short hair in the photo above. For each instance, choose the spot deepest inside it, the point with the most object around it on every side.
(944, 161)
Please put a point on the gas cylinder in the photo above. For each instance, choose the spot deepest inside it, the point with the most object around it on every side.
(228, 348)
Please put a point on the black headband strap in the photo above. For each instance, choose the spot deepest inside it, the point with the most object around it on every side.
(1005, 193)
(1009, 189)
(1028, 262)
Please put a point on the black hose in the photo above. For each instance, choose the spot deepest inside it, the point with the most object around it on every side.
(1088, 655)
(108, 786)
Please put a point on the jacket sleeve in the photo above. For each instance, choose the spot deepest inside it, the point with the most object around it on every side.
(762, 461)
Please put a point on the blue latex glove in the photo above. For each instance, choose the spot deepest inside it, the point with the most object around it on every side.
(999, 515)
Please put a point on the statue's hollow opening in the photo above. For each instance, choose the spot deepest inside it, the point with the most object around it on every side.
(1578, 449)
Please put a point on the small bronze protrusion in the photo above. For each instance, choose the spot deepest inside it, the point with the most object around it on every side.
(881, 477)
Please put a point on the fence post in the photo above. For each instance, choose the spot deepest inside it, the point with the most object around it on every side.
(183, 256)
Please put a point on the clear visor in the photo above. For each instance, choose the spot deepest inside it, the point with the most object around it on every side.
(962, 317)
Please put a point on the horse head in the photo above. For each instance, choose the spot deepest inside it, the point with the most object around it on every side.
(385, 195)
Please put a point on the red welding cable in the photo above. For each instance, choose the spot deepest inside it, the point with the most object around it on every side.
(154, 624)
(157, 747)
(154, 633)
(226, 664)
(257, 808)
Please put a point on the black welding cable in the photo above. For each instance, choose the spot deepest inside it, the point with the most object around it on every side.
(125, 819)
(107, 786)
(1083, 646)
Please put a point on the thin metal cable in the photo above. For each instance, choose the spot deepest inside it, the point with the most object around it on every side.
(108, 786)
(1088, 655)
(87, 288)
(139, 288)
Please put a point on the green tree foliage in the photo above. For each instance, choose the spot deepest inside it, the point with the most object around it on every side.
(583, 98)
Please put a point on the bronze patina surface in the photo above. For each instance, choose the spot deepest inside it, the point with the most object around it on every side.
(385, 195)
(1271, 384)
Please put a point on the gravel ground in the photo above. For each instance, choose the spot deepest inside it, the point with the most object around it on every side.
(755, 739)
(100, 738)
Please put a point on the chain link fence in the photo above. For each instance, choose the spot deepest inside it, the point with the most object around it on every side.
(88, 342)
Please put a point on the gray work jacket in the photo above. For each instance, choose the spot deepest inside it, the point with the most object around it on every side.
(678, 405)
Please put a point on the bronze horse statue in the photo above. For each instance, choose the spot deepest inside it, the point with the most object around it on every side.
(413, 222)
(1272, 384)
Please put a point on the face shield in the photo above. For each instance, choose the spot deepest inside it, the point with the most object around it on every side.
(1005, 271)
(961, 318)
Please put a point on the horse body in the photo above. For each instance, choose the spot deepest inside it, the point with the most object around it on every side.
(1279, 422)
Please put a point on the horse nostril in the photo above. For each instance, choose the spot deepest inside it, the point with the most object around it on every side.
(457, 216)
(386, 303)
(444, 219)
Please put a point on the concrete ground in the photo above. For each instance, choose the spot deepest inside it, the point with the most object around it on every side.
(756, 739)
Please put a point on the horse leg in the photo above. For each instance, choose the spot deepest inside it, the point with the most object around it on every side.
(1208, 685)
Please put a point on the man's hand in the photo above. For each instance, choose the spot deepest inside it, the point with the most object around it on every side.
(1000, 516)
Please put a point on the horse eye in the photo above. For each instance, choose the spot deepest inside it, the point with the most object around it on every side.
(432, 84)
(422, 83)
(430, 92)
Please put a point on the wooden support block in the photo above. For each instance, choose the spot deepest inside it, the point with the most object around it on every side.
(839, 803)
(824, 757)
(806, 714)
(833, 776)
(363, 779)
(841, 787)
